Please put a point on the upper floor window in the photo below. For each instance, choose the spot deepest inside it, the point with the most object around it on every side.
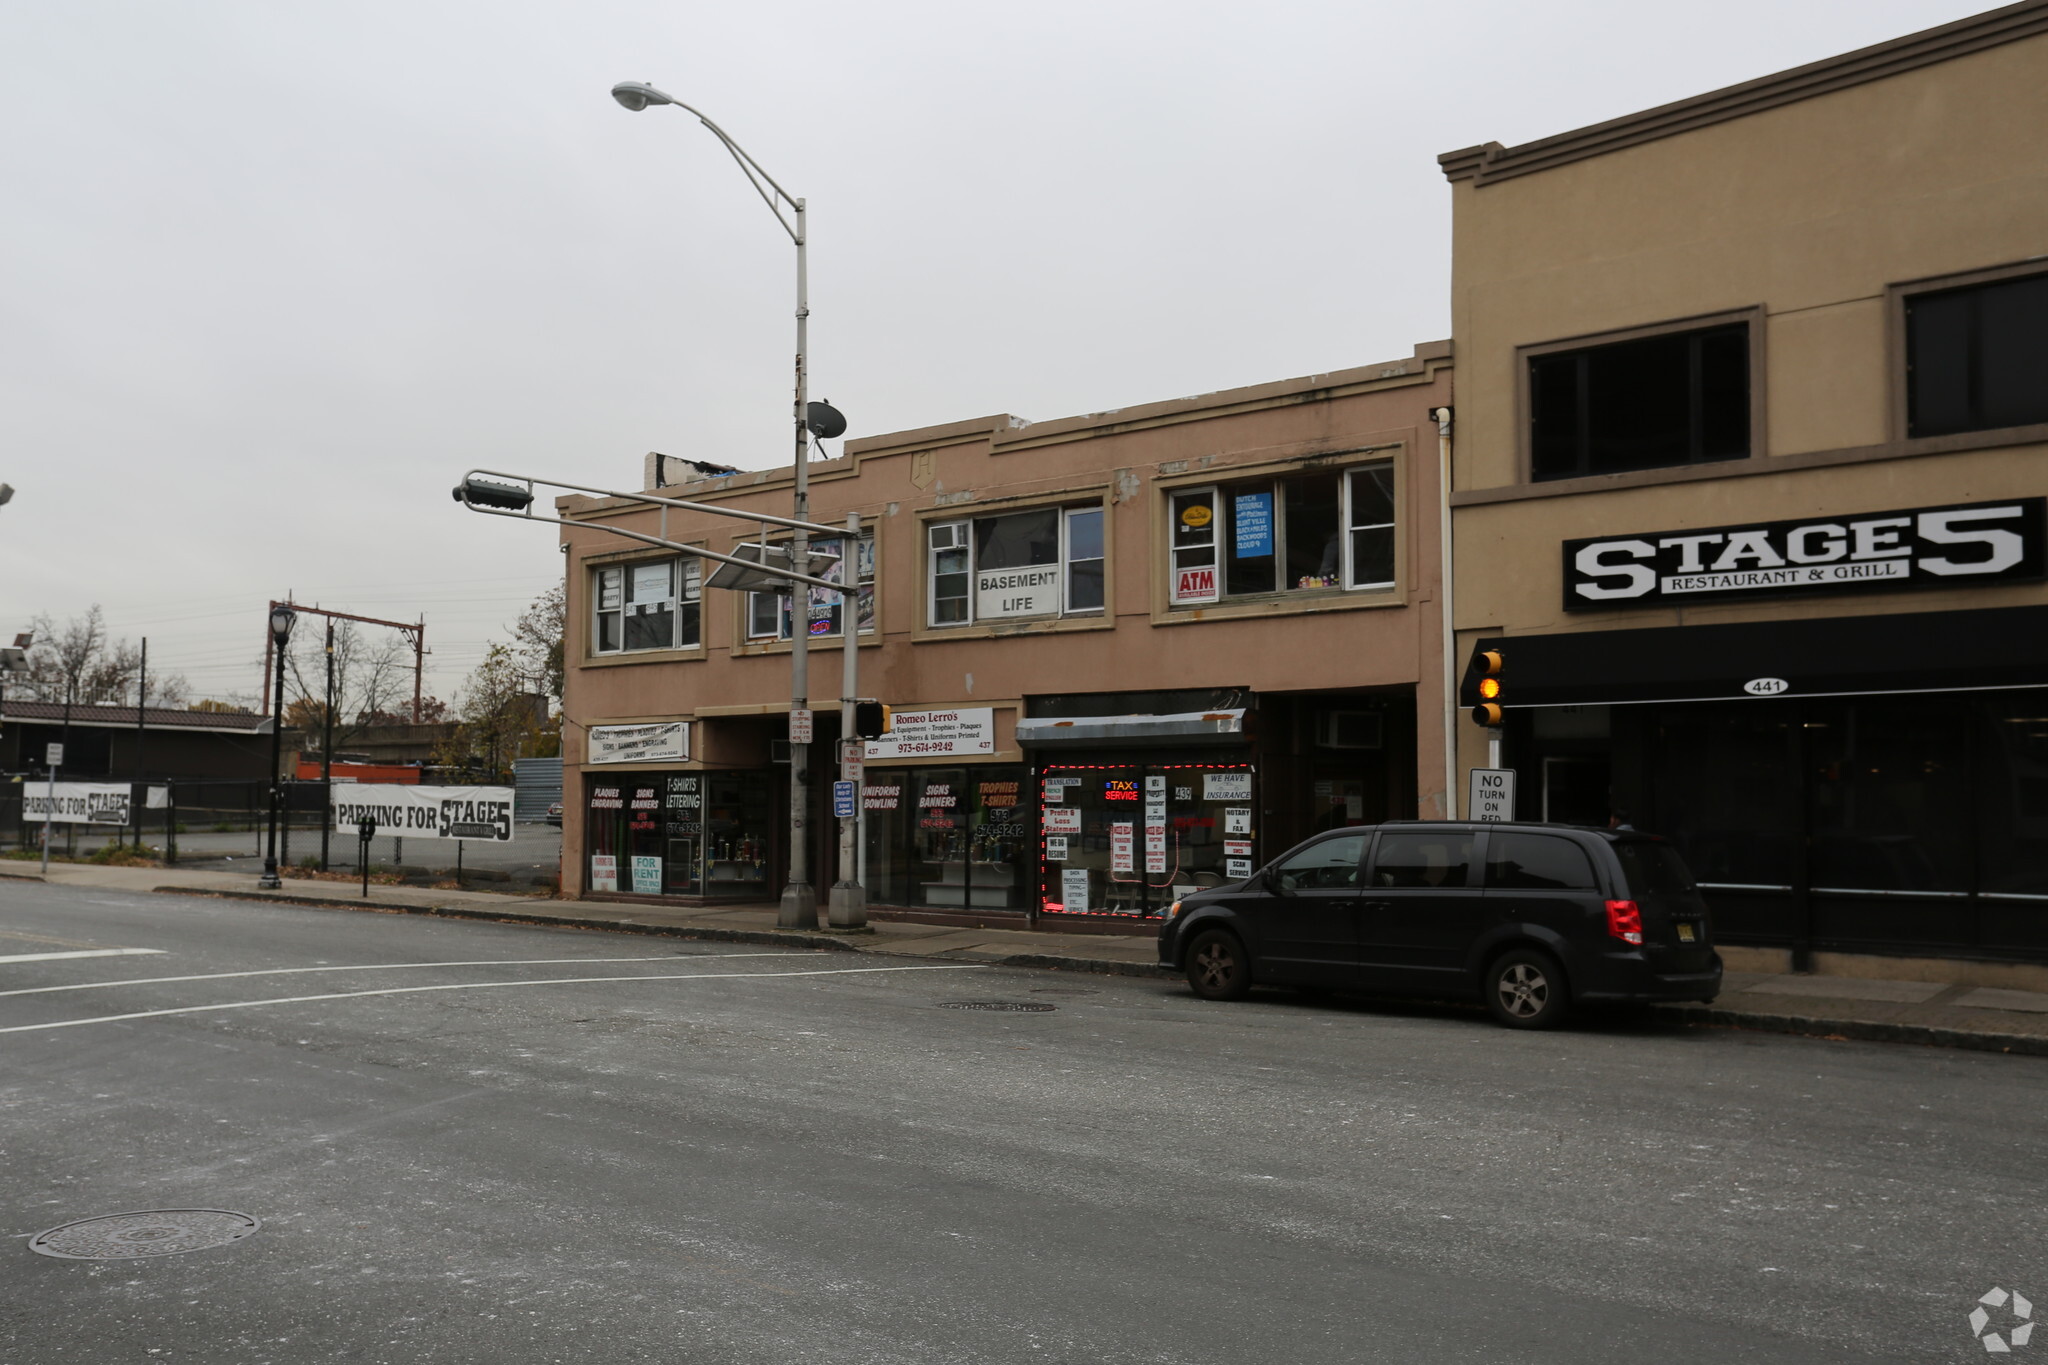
(768, 612)
(1675, 398)
(653, 604)
(1042, 563)
(1326, 529)
(1977, 357)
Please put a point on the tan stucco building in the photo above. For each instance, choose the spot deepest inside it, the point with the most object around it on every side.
(1130, 652)
(1751, 431)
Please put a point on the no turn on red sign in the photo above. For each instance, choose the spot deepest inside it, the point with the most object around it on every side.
(1491, 795)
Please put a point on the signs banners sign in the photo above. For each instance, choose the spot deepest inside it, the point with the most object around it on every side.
(1925, 547)
(427, 812)
(667, 742)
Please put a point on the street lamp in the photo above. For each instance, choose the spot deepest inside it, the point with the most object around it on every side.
(799, 909)
(281, 619)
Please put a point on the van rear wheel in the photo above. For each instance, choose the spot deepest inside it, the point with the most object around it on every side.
(1217, 966)
(1526, 988)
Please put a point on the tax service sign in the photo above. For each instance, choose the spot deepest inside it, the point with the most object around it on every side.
(1960, 545)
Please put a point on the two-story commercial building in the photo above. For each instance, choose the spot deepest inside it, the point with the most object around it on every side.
(1752, 444)
(1129, 653)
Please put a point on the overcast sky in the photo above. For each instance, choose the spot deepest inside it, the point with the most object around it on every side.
(276, 274)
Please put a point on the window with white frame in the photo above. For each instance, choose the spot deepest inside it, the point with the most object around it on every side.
(768, 613)
(1045, 562)
(646, 604)
(1316, 531)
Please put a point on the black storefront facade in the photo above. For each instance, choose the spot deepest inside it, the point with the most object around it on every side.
(1859, 784)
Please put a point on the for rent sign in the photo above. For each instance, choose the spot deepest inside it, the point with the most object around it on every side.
(427, 812)
(1921, 547)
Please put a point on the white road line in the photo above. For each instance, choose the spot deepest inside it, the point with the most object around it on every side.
(88, 952)
(372, 967)
(482, 985)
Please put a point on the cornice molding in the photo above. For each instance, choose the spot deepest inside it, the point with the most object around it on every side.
(1490, 161)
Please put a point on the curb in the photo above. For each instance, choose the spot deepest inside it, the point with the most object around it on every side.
(1691, 1016)
(1861, 1031)
(707, 933)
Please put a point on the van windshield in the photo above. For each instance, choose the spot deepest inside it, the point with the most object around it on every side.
(1653, 869)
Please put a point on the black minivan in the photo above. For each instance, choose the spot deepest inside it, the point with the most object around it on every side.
(1530, 918)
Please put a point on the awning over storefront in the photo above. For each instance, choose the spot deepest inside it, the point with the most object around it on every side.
(1833, 656)
(1218, 727)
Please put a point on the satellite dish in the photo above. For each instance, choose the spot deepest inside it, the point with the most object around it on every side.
(826, 422)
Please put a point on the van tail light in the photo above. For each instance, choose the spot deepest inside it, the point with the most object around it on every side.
(1625, 921)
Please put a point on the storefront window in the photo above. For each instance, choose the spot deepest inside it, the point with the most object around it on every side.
(949, 838)
(1891, 799)
(1129, 839)
(2012, 784)
(680, 834)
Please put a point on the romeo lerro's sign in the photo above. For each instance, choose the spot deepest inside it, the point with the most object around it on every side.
(665, 742)
(427, 812)
(1921, 547)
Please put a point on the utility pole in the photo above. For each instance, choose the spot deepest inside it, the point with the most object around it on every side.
(327, 751)
(141, 797)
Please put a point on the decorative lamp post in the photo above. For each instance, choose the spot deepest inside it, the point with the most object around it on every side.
(799, 909)
(281, 619)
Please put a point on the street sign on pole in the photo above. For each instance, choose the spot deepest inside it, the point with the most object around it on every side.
(53, 755)
(1492, 794)
(800, 725)
(844, 804)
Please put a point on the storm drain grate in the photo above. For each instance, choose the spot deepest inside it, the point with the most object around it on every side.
(1000, 1006)
(157, 1232)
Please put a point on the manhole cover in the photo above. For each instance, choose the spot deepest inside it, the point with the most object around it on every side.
(1001, 1006)
(158, 1232)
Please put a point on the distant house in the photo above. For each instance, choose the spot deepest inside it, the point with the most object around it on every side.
(104, 741)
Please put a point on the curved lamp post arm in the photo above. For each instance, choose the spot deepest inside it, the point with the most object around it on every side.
(637, 95)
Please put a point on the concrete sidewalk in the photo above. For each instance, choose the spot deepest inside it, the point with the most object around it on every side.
(1962, 1011)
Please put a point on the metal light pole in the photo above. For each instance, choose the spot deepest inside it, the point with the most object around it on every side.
(281, 618)
(327, 753)
(799, 908)
(847, 907)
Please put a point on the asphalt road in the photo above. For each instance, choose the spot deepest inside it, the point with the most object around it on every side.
(752, 1155)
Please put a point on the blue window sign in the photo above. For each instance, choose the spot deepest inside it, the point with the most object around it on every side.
(1252, 516)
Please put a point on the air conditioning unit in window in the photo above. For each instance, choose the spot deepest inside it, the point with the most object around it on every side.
(1348, 729)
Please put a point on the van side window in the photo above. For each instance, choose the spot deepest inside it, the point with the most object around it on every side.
(1417, 858)
(1332, 863)
(1534, 862)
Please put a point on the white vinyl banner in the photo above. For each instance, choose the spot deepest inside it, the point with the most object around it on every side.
(75, 803)
(426, 812)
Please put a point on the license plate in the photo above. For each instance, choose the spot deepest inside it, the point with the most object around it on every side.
(1686, 934)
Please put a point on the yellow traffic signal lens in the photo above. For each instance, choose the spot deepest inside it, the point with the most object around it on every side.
(1487, 713)
(1489, 662)
(1489, 688)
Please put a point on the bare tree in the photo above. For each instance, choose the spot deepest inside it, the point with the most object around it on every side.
(539, 640)
(371, 677)
(500, 718)
(80, 661)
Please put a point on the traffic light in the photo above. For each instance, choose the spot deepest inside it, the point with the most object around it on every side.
(870, 719)
(1487, 664)
(476, 492)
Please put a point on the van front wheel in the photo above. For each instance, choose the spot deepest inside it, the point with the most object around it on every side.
(1217, 966)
